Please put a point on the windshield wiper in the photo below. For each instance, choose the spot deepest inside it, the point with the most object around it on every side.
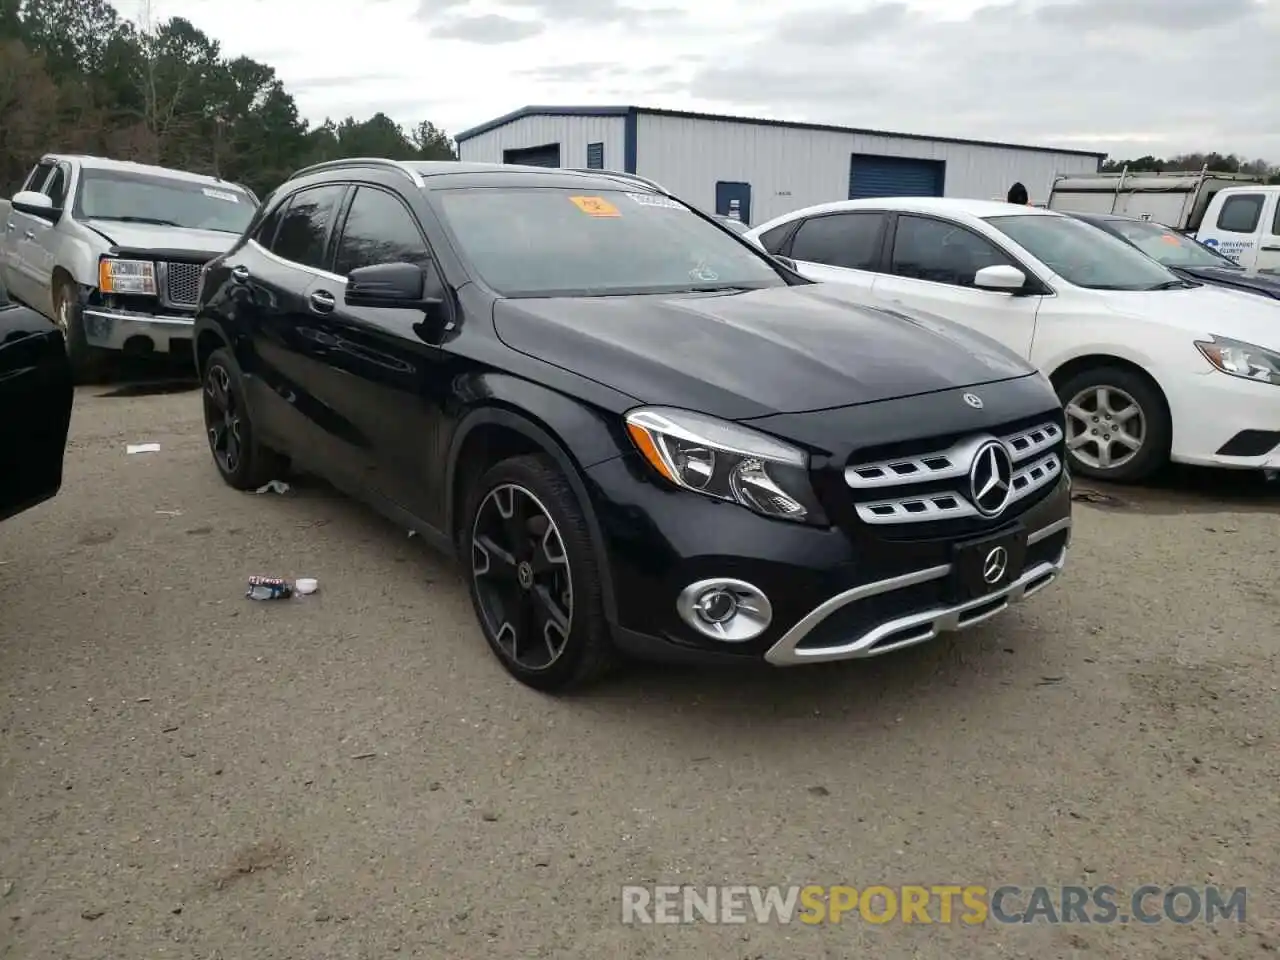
(1173, 285)
(151, 220)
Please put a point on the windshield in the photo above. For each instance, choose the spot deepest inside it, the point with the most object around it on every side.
(1170, 248)
(1083, 255)
(166, 201)
(534, 242)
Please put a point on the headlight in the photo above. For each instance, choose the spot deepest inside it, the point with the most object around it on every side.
(725, 461)
(127, 276)
(1242, 359)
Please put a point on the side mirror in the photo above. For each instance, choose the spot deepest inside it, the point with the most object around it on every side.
(788, 263)
(390, 285)
(35, 203)
(1000, 278)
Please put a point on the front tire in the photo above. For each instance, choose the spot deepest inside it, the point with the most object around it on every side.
(534, 576)
(88, 363)
(1118, 426)
(242, 462)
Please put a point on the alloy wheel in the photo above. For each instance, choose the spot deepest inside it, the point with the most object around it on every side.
(522, 577)
(222, 419)
(1106, 427)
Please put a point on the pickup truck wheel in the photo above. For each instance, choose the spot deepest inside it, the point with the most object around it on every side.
(1118, 427)
(88, 363)
(242, 462)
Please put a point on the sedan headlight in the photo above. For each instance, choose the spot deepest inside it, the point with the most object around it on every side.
(1242, 359)
(726, 461)
(127, 276)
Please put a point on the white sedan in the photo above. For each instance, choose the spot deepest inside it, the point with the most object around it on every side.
(1150, 367)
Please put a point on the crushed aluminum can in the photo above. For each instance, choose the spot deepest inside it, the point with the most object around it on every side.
(268, 588)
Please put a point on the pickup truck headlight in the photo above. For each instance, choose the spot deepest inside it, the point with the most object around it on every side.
(1242, 359)
(127, 276)
(726, 461)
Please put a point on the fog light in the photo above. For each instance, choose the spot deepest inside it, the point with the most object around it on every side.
(732, 611)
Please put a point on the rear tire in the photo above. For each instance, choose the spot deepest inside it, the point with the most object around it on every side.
(1118, 426)
(88, 363)
(242, 461)
(534, 576)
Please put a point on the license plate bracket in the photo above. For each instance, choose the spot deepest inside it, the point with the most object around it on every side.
(987, 564)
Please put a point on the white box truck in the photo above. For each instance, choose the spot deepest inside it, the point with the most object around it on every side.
(1177, 200)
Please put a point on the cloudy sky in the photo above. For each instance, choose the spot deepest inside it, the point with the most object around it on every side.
(1125, 76)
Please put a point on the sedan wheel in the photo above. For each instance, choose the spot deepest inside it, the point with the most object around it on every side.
(1118, 425)
(1105, 427)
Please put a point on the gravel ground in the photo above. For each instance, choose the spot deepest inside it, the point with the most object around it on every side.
(185, 773)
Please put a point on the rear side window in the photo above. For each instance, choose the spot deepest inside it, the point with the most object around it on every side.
(379, 229)
(772, 240)
(1241, 213)
(304, 228)
(849, 240)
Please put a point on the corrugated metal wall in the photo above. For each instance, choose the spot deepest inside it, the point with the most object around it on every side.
(790, 168)
(572, 133)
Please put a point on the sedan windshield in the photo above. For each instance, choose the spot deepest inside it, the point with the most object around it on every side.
(1084, 255)
(1170, 248)
(162, 201)
(539, 242)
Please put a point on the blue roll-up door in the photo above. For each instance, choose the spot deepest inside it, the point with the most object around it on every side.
(871, 176)
(547, 155)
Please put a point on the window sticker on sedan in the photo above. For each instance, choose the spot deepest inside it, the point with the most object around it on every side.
(654, 200)
(220, 195)
(595, 206)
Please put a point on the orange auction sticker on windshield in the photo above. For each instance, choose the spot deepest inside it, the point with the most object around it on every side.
(1171, 240)
(595, 206)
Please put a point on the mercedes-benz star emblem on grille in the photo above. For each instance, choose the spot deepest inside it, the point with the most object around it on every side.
(973, 400)
(994, 566)
(991, 479)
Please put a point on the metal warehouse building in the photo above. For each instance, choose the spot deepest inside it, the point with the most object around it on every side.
(765, 167)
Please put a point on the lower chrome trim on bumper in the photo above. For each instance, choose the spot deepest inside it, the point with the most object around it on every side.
(110, 329)
(918, 627)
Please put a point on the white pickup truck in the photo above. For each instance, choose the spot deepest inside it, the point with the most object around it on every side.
(112, 251)
(1243, 223)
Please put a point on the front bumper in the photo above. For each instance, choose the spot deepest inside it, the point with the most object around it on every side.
(114, 329)
(834, 596)
(1225, 421)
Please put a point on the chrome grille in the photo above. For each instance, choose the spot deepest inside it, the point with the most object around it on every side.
(181, 283)
(953, 463)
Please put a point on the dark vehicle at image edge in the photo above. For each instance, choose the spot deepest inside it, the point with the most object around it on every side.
(1188, 258)
(638, 432)
(36, 396)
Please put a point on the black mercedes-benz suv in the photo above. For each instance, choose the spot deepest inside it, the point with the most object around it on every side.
(638, 432)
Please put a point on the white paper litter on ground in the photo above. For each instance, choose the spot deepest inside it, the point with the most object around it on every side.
(274, 486)
(142, 448)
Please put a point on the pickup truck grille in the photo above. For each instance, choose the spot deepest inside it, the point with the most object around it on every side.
(181, 284)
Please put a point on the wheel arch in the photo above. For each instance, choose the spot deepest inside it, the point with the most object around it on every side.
(497, 431)
(1092, 361)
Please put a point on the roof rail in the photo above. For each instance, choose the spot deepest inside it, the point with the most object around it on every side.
(619, 175)
(383, 162)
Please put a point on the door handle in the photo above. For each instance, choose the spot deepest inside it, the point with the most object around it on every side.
(1271, 247)
(28, 235)
(322, 301)
(11, 226)
(239, 273)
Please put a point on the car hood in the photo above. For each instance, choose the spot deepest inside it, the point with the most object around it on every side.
(1216, 310)
(753, 354)
(1238, 279)
(177, 241)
